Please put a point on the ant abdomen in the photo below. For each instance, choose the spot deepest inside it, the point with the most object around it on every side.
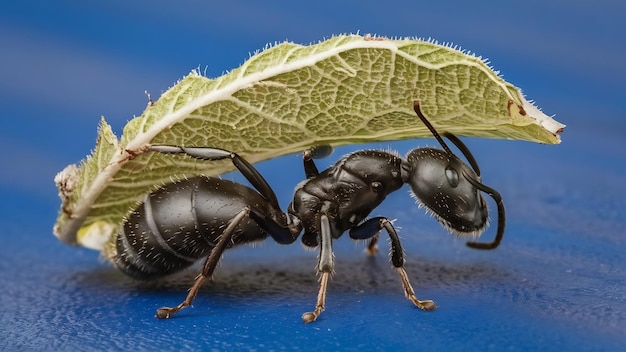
(180, 223)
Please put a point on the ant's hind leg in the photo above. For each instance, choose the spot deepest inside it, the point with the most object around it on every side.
(212, 154)
(209, 265)
(371, 229)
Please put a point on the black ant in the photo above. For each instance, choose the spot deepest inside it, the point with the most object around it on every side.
(203, 216)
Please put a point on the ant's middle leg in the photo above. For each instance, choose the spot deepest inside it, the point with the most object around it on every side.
(370, 229)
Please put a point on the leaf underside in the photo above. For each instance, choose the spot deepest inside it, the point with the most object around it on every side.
(348, 89)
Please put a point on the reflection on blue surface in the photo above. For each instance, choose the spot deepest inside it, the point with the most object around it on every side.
(556, 283)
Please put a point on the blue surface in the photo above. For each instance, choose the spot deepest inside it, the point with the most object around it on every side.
(556, 283)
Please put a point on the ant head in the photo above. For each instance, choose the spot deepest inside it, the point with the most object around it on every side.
(450, 189)
(438, 183)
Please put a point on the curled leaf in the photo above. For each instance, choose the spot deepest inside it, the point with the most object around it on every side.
(348, 89)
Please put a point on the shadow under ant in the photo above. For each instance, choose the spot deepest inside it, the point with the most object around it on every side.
(298, 277)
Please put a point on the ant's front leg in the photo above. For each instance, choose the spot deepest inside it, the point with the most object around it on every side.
(371, 229)
(325, 267)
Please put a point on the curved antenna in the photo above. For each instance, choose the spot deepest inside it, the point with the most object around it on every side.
(465, 150)
(470, 158)
(416, 107)
(501, 214)
(454, 139)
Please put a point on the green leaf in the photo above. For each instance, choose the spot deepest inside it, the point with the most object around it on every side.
(348, 89)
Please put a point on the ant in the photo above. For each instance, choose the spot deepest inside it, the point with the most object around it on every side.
(202, 216)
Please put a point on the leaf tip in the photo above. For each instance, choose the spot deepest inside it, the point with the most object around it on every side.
(528, 111)
(66, 181)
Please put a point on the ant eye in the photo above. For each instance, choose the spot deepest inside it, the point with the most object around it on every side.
(453, 176)
(377, 186)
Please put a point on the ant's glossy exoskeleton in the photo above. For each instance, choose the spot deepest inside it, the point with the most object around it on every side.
(203, 216)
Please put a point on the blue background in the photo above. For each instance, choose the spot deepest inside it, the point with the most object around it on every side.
(557, 281)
